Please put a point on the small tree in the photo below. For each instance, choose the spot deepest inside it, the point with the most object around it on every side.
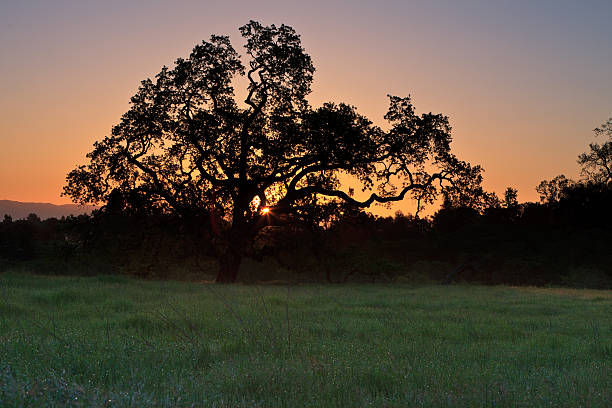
(554, 190)
(186, 146)
(597, 163)
(511, 198)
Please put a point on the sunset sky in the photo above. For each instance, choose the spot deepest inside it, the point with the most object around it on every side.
(523, 82)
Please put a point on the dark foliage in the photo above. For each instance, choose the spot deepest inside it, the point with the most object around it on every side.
(188, 149)
(597, 162)
(560, 242)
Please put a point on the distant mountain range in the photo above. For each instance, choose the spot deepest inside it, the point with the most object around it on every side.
(19, 210)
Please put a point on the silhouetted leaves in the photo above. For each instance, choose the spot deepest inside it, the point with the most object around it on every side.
(187, 147)
(597, 163)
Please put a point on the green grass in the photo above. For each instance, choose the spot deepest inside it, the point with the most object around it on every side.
(114, 341)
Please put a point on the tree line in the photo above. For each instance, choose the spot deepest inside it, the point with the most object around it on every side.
(562, 240)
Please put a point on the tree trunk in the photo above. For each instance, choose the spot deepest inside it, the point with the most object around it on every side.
(233, 250)
(229, 264)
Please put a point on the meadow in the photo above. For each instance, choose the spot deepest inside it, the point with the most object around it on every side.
(113, 341)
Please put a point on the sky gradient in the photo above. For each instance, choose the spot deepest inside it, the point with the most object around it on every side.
(523, 82)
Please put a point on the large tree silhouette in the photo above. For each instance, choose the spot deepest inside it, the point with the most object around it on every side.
(187, 146)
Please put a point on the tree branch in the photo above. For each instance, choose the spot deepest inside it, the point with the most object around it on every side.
(294, 195)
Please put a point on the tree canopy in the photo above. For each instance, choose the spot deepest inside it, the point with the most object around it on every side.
(188, 146)
(554, 190)
(597, 163)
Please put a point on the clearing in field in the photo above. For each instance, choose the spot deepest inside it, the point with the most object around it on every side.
(113, 341)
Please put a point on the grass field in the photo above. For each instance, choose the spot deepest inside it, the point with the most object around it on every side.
(113, 341)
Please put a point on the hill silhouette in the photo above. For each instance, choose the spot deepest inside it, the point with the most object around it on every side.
(19, 210)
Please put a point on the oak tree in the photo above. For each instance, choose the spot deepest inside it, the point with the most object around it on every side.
(187, 145)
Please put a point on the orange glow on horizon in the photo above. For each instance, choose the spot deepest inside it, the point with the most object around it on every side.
(522, 86)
